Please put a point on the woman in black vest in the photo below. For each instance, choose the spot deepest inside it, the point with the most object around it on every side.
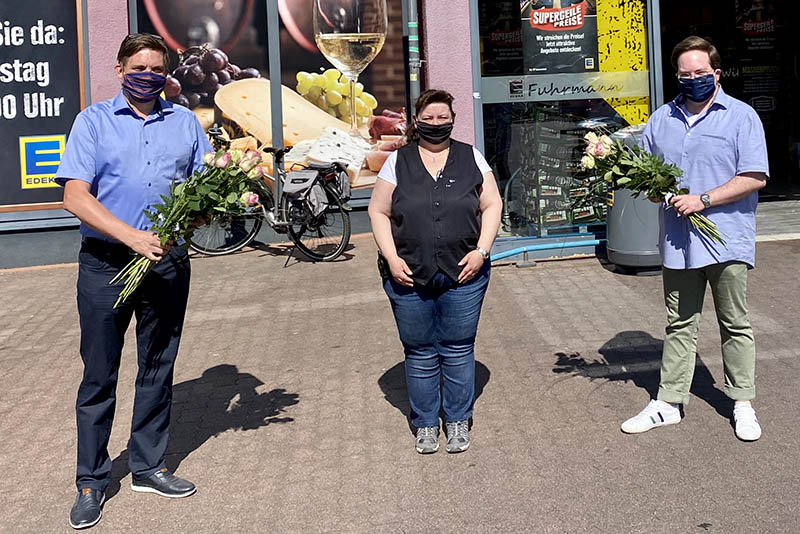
(435, 211)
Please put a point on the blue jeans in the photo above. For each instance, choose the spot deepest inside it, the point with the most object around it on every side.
(437, 323)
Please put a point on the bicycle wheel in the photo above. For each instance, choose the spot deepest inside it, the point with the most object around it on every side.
(224, 235)
(321, 237)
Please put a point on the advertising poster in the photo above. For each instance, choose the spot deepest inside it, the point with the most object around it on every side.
(315, 96)
(501, 38)
(559, 36)
(759, 56)
(40, 95)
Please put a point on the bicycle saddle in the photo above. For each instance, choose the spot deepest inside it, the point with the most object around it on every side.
(327, 165)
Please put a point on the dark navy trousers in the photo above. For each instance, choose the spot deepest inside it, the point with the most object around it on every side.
(159, 305)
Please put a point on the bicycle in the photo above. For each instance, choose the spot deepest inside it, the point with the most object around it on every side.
(315, 218)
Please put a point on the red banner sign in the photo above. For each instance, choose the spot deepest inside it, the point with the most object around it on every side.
(567, 18)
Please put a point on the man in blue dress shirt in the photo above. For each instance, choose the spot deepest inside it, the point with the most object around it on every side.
(719, 144)
(121, 156)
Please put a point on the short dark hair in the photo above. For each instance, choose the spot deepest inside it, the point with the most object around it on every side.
(431, 96)
(140, 41)
(694, 42)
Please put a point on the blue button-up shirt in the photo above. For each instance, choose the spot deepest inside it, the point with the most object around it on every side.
(129, 161)
(725, 141)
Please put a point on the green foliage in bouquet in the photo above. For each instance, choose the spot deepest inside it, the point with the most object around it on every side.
(634, 169)
(220, 189)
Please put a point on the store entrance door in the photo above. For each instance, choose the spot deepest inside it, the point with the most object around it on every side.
(761, 66)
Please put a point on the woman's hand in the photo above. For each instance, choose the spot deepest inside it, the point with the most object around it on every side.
(472, 263)
(400, 271)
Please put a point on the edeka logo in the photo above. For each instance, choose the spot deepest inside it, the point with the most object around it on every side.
(39, 157)
(516, 88)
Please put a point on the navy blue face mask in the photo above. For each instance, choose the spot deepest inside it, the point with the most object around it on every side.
(697, 89)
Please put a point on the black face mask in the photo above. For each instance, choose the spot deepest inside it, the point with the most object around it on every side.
(434, 134)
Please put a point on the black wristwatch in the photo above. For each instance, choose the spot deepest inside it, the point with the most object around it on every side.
(706, 200)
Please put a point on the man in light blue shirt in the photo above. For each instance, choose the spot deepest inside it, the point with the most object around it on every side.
(121, 156)
(718, 142)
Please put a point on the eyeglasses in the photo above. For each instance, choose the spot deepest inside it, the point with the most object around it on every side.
(691, 75)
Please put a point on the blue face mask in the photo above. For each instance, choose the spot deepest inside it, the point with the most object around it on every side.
(697, 89)
(143, 86)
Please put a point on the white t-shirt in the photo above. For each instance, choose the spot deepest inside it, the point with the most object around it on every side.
(691, 119)
(389, 174)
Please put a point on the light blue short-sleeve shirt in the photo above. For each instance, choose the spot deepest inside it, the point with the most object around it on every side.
(131, 162)
(727, 140)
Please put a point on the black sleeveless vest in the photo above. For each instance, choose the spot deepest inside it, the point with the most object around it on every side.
(436, 223)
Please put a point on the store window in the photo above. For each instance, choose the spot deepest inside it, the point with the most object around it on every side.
(760, 66)
(315, 97)
(551, 71)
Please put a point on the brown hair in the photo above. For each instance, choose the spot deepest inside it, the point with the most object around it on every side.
(139, 41)
(431, 96)
(694, 42)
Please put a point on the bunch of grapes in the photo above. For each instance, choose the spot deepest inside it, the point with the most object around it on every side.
(202, 71)
(330, 91)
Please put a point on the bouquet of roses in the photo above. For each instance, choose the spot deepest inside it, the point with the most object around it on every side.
(632, 168)
(221, 188)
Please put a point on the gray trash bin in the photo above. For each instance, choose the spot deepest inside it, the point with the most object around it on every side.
(632, 223)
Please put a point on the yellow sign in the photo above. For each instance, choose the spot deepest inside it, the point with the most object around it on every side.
(622, 46)
(39, 158)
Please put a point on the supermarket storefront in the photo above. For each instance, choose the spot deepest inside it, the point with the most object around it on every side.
(530, 78)
(551, 70)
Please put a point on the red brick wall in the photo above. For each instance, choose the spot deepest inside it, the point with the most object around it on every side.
(386, 73)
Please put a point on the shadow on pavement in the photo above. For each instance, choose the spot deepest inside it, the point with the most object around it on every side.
(221, 399)
(393, 386)
(636, 356)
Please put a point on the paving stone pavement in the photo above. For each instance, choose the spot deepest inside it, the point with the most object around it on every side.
(289, 407)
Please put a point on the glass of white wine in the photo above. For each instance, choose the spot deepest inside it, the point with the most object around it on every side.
(350, 33)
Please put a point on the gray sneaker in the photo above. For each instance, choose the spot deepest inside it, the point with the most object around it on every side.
(457, 436)
(427, 439)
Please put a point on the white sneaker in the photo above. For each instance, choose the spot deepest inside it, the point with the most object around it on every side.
(747, 427)
(657, 413)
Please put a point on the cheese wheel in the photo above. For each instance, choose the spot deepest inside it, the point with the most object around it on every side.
(205, 116)
(247, 102)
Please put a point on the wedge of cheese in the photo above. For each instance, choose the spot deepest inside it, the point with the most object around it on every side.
(244, 143)
(247, 102)
(298, 155)
(205, 116)
(336, 144)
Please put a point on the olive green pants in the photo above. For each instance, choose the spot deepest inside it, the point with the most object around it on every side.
(684, 290)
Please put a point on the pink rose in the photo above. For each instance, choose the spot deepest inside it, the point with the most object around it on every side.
(254, 155)
(249, 198)
(223, 161)
(601, 150)
(250, 159)
(256, 173)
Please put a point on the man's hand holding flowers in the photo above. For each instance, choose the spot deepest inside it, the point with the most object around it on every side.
(632, 168)
(220, 189)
